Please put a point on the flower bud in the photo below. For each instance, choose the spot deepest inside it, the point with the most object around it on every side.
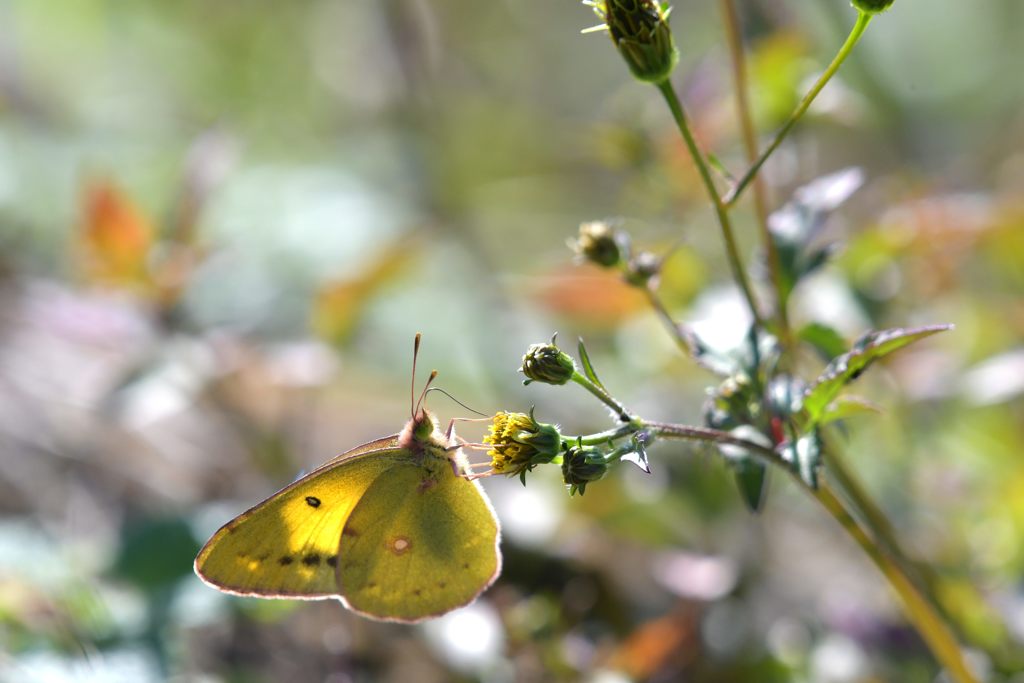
(598, 243)
(642, 268)
(519, 443)
(639, 29)
(872, 6)
(548, 364)
(582, 465)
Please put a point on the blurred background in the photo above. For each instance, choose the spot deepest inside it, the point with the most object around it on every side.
(221, 225)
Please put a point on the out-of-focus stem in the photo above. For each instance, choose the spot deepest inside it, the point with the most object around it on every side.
(744, 111)
(920, 610)
(738, 271)
(863, 19)
(673, 328)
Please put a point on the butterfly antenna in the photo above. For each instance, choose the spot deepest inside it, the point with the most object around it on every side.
(423, 396)
(412, 385)
(457, 401)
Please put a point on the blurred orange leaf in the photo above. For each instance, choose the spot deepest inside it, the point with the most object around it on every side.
(669, 642)
(115, 237)
(590, 296)
(338, 306)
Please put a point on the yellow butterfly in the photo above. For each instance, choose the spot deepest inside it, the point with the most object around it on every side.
(393, 528)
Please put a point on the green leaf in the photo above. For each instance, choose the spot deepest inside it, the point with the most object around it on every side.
(804, 457)
(717, 164)
(849, 366)
(751, 480)
(826, 340)
(588, 370)
(847, 406)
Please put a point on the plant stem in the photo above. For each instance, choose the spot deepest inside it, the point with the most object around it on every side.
(738, 272)
(921, 612)
(863, 19)
(748, 132)
(603, 396)
(686, 432)
(872, 516)
(601, 437)
(671, 325)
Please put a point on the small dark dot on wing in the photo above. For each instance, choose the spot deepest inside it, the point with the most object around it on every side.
(313, 501)
(285, 561)
(333, 560)
(311, 560)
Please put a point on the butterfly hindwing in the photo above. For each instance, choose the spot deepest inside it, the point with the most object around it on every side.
(420, 542)
(287, 546)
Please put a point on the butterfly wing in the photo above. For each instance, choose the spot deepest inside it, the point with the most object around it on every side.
(287, 546)
(418, 546)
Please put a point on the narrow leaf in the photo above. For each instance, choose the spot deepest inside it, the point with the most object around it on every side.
(751, 480)
(849, 366)
(825, 340)
(848, 406)
(588, 368)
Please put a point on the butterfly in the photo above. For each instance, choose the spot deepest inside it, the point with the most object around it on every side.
(393, 528)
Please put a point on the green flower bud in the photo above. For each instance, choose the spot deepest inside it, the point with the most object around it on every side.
(548, 364)
(599, 243)
(582, 465)
(639, 29)
(642, 268)
(785, 395)
(520, 443)
(872, 6)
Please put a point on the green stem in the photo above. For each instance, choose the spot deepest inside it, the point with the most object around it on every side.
(603, 396)
(738, 272)
(749, 134)
(921, 612)
(863, 19)
(871, 514)
(601, 437)
(671, 325)
(927, 578)
(677, 431)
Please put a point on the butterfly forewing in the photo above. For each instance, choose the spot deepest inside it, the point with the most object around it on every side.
(287, 546)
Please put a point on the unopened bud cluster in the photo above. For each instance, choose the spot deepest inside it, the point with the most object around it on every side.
(602, 244)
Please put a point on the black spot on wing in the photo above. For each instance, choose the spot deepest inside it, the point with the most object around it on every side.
(333, 560)
(311, 560)
(285, 560)
(312, 501)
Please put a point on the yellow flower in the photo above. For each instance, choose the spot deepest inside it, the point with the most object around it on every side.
(519, 443)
